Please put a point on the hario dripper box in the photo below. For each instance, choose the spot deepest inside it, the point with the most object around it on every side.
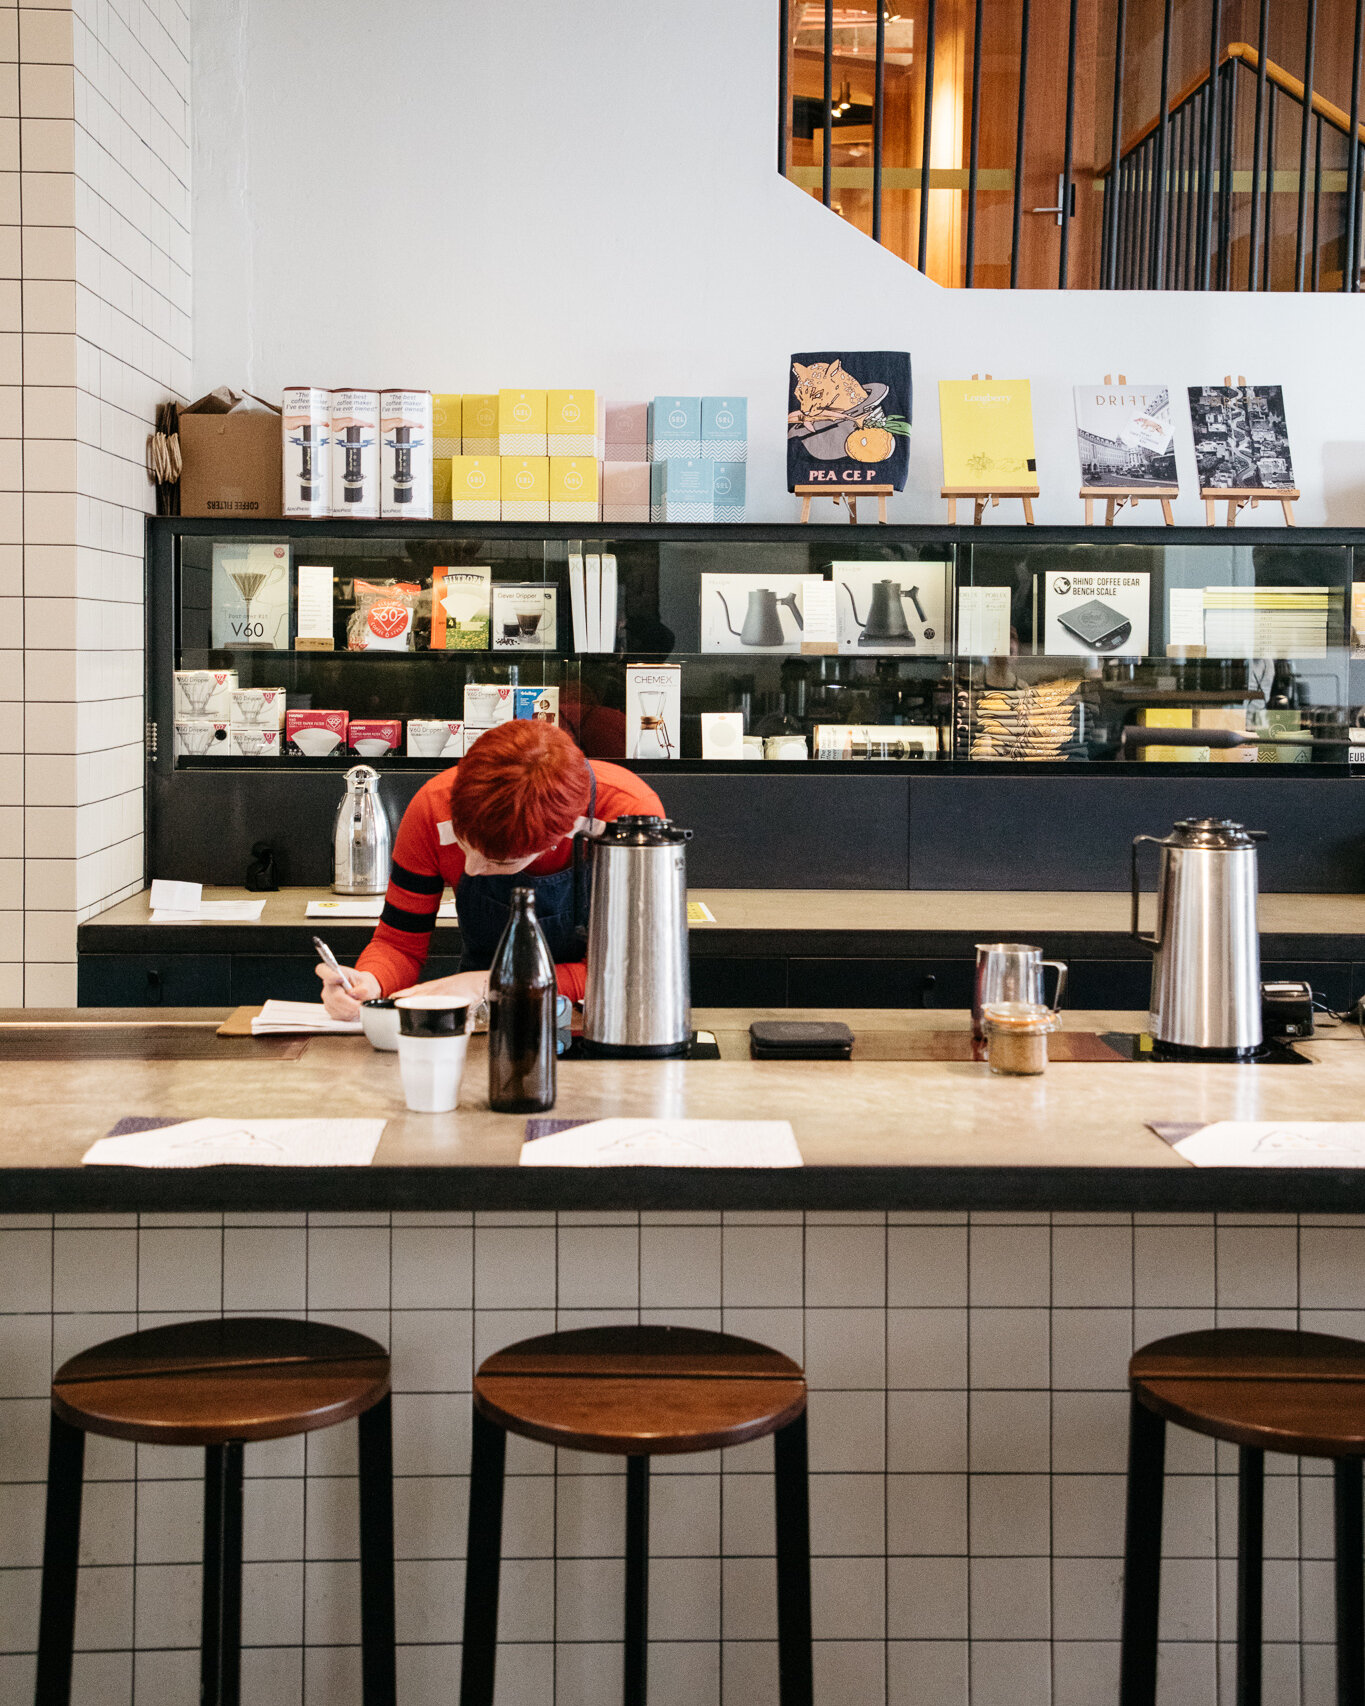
(405, 425)
(573, 488)
(729, 490)
(354, 452)
(725, 428)
(573, 425)
(305, 421)
(682, 489)
(525, 483)
(674, 428)
(475, 488)
(521, 423)
(479, 424)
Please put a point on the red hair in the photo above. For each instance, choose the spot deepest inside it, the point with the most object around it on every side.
(518, 790)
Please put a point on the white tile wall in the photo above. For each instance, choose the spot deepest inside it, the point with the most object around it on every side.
(968, 1438)
(94, 333)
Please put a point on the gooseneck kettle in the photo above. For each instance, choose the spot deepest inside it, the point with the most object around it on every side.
(1206, 964)
(638, 1000)
(362, 840)
(886, 624)
(762, 623)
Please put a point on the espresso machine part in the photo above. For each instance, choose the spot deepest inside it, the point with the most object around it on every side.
(362, 840)
(886, 624)
(1011, 971)
(638, 1000)
(1206, 966)
(762, 623)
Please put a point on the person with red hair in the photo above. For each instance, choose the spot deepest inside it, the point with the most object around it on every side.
(506, 816)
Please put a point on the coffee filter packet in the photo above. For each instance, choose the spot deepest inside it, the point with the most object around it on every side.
(383, 617)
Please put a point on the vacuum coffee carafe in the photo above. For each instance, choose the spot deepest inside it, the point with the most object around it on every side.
(638, 999)
(886, 624)
(362, 840)
(762, 622)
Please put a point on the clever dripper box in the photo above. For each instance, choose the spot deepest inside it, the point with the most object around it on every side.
(479, 424)
(573, 425)
(405, 464)
(729, 491)
(627, 432)
(475, 488)
(521, 423)
(354, 451)
(305, 425)
(524, 482)
(525, 616)
(447, 441)
(573, 488)
(625, 491)
(725, 428)
(682, 489)
(674, 428)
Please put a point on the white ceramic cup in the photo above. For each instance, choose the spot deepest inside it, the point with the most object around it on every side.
(432, 1043)
(379, 1021)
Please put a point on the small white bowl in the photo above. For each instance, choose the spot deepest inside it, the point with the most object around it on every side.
(379, 1020)
(316, 742)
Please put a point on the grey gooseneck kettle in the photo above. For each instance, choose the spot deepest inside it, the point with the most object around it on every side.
(886, 624)
(762, 623)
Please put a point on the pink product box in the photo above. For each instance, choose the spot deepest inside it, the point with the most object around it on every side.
(316, 734)
(625, 491)
(375, 737)
(627, 433)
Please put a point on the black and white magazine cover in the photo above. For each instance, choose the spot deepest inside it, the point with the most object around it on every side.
(1241, 441)
(1125, 436)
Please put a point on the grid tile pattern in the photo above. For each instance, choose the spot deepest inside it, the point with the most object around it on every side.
(94, 333)
(968, 1439)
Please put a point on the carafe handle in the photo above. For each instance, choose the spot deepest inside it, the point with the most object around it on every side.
(1059, 966)
(1137, 935)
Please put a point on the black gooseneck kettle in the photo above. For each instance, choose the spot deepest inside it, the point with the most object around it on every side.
(886, 624)
(762, 623)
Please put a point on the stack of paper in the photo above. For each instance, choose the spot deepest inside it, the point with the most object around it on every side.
(1266, 622)
(371, 908)
(281, 1018)
(242, 1143)
(661, 1143)
(1274, 1143)
(592, 600)
(184, 903)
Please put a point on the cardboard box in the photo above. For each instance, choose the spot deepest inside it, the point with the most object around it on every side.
(447, 439)
(374, 737)
(475, 488)
(1226, 717)
(256, 707)
(428, 738)
(197, 738)
(525, 616)
(722, 734)
(625, 491)
(653, 709)
(627, 432)
(682, 489)
(536, 704)
(1171, 717)
(725, 428)
(524, 482)
(485, 706)
(574, 488)
(730, 481)
(573, 425)
(405, 487)
(306, 423)
(203, 695)
(254, 743)
(355, 454)
(479, 424)
(316, 734)
(231, 460)
(459, 608)
(521, 424)
(876, 742)
(674, 428)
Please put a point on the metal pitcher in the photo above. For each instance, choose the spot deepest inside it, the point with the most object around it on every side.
(639, 995)
(362, 840)
(1011, 971)
(1206, 964)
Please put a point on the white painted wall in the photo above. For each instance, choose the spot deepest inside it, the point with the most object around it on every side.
(537, 194)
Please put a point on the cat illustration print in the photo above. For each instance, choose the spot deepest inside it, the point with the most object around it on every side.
(848, 418)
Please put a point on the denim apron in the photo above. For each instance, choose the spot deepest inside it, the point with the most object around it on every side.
(484, 904)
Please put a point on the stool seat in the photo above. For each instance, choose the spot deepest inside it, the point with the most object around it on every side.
(640, 1391)
(1266, 1388)
(210, 1382)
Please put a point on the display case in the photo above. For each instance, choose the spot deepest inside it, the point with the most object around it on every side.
(862, 670)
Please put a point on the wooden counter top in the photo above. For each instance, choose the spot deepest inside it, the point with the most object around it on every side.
(874, 1134)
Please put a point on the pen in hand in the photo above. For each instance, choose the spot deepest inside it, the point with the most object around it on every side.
(328, 958)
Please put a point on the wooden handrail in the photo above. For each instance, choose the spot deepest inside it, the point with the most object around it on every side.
(1247, 55)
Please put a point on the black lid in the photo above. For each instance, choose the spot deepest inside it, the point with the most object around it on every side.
(643, 832)
(431, 1016)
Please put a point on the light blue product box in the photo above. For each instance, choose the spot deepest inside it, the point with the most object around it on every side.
(674, 428)
(682, 489)
(729, 489)
(725, 428)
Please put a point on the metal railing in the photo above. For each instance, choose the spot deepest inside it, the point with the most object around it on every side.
(1239, 175)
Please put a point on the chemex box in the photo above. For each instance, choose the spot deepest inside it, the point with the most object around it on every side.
(537, 704)
(316, 734)
(725, 428)
(625, 491)
(459, 608)
(447, 440)
(653, 709)
(521, 423)
(485, 706)
(525, 487)
(475, 488)
(573, 488)
(428, 738)
(374, 737)
(674, 428)
(627, 432)
(305, 423)
(405, 464)
(572, 424)
(256, 707)
(204, 694)
(682, 489)
(478, 424)
(524, 616)
(354, 426)
(730, 480)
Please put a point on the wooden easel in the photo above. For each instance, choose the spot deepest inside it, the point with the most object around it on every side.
(1238, 497)
(838, 493)
(1115, 497)
(991, 495)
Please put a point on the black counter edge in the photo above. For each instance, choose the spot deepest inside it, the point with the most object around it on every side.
(1183, 1189)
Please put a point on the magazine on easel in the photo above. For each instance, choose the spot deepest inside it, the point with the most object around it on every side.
(1241, 440)
(1125, 436)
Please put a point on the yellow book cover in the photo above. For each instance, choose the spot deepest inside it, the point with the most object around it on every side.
(987, 427)
(573, 488)
(479, 424)
(525, 488)
(521, 423)
(475, 488)
(571, 423)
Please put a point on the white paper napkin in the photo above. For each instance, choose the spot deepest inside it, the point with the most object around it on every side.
(242, 1143)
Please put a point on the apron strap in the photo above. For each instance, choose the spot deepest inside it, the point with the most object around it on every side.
(581, 896)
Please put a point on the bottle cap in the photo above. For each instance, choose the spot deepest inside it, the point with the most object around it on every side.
(432, 1015)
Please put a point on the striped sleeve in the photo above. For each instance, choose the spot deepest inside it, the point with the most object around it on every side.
(398, 949)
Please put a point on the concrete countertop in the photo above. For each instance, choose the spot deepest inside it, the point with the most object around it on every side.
(874, 1134)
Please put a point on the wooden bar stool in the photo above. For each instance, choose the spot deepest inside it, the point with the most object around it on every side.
(638, 1392)
(1260, 1389)
(218, 1384)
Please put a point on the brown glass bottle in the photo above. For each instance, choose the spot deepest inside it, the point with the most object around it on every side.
(521, 1015)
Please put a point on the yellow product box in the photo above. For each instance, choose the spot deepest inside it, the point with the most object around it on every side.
(446, 432)
(525, 488)
(479, 424)
(475, 488)
(573, 488)
(521, 423)
(572, 423)
(1168, 717)
(1226, 717)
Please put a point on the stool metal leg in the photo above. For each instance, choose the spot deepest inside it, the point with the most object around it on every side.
(380, 1686)
(483, 1561)
(793, 1564)
(1250, 1553)
(220, 1642)
(1142, 1556)
(637, 1580)
(1350, 1543)
(61, 1563)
